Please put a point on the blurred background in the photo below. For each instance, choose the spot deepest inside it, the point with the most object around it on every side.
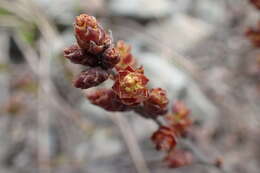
(196, 49)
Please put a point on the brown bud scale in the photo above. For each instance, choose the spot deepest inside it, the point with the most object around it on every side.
(77, 56)
(90, 78)
(110, 58)
(106, 99)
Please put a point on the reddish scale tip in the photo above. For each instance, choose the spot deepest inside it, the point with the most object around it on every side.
(83, 21)
(90, 35)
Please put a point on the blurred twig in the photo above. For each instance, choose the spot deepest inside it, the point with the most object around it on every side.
(201, 158)
(43, 114)
(44, 24)
(33, 59)
(30, 12)
(131, 142)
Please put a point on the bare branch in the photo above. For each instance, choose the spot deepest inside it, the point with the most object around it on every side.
(131, 142)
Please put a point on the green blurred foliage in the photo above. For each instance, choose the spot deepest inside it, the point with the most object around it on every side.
(4, 12)
(28, 33)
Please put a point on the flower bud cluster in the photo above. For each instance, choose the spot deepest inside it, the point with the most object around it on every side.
(95, 50)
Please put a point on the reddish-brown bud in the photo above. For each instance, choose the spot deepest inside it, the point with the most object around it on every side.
(180, 109)
(110, 58)
(90, 78)
(90, 35)
(126, 57)
(178, 158)
(254, 69)
(256, 3)
(157, 102)
(253, 34)
(130, 86)
(77, 56)
(164, 138)
(106, 99)
(179, 119)
(219, 162)
(14, 106)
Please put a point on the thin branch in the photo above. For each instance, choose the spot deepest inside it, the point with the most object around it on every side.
(158, 122)
(131, 142)
(202, 159)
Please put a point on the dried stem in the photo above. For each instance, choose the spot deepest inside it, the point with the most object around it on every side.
(43, 117)
(131, 142)
(202, 159)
